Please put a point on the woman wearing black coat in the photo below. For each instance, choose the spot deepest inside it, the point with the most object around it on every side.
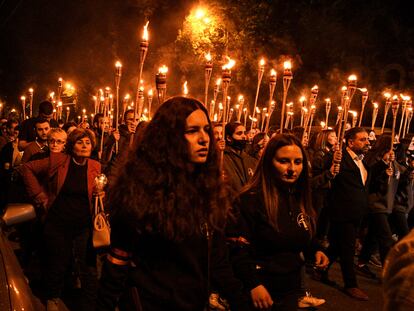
(276, 226)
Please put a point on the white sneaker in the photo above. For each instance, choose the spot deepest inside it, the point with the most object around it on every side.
(309, 301)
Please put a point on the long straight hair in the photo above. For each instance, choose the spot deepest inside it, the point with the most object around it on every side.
(264, 180)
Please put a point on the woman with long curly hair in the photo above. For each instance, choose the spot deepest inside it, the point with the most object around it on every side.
(169, 212)
(276, 224)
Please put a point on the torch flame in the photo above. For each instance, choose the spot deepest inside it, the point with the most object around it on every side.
(302, 99)
(163, 69)
(352, 77)
(185, 88)
(315, 88)
(241, 98)
(287, 64)
(323, 124)
(118, 64)
(60, 79)
(354, 113)
(339, 108)
(375, 105)
(262, 62)
(387, 95)
(221, 106)
(145, 34)
(23, 98)
(273, 73)
(395, 98)
(364, 90)
(127, 96)
(218, 82)
(344, 88)
(328, 100)
(30, 90)
(230, 64)
(150, 93)
(208, 57)
(257, 109)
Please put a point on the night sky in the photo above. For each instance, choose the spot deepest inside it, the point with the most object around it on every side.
(81, 40)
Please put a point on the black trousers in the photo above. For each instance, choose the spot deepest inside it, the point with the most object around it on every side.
(342, 236)
(61, 245)
(399, 223)
(284, 289)
(379, 230)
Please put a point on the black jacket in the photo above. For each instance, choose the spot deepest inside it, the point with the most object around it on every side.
(382, 189)
(239, 167)
(170, 275)
(269, 251)
(404, 198)
(348, 198)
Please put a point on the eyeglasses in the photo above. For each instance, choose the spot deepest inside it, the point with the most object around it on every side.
(56, 141)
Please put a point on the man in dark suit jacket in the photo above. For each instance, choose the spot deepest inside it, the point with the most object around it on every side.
(348, 203)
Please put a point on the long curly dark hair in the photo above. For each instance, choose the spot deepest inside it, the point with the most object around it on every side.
(159, 190)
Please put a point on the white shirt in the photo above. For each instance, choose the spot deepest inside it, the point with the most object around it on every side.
(358, 161)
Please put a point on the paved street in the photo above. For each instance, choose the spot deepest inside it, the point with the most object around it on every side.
(338, 301)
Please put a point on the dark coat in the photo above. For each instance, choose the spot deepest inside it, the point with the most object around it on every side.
(382, 189)
(267, 250)
(53, 171)
(348, 198)
(239, 167)
(169, 275)
(404, 198)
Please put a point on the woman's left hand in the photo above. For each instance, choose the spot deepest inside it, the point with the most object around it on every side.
(321, 260)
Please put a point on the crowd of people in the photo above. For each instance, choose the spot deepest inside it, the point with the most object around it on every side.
(204, 217)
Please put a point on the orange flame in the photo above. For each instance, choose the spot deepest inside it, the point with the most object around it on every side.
(145, 34)
(163, 69)
(208, 57)
(185, 89)
(230, 64)
(287, 64)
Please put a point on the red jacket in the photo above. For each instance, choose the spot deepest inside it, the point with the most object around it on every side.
(48, 176)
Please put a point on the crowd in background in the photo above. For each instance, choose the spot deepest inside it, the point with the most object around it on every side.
(240, 216)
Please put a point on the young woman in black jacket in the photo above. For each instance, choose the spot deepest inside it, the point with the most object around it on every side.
(169, 212)
(276, 226)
